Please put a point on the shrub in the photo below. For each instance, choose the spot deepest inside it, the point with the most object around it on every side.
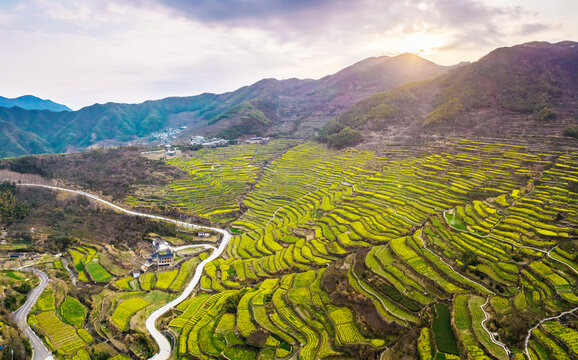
(546, 114)
(345, 138)
(23, 288)
(28, 165)
(571, 131)
(331, 128)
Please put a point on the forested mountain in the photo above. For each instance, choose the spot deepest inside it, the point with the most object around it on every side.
(30, 102)
(517, 91)
(292, 107)
(528, 89)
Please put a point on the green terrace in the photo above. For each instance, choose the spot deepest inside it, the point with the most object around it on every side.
(216, 181)
(415, 235)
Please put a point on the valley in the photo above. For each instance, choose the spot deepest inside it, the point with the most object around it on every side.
(452, 249)
(396, 209)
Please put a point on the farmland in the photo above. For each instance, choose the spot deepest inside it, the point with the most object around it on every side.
(438, 252)
(406, 233)
(61, 337)
(126, 310)
(217, 178)
(86, 263)
(73, 312)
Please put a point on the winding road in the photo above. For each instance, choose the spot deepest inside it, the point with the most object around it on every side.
(165, 349)
(164, 344)
(540, 323)
(39, 350)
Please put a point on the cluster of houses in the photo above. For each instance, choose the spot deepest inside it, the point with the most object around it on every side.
(256, 140)
(162, 256)
(166, 134)
(215, 142)
(169, 151)
(204, 142)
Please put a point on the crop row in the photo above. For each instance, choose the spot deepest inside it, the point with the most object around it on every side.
(443, 224)
(274, 312)
(216, 179)
(60, 336)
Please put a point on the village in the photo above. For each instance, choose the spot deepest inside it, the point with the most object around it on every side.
(169, 150)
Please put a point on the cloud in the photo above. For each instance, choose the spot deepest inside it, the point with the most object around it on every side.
(531, 29)
(320, 20)
(251, 11)
(84, 51)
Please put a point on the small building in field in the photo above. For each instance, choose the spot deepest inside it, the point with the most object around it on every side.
(164, 258)
(160, 245)
(203, 234)
(257, 140)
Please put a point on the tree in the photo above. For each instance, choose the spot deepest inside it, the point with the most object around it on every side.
(546, 114)
(571, 131)
(345, 138)
(10, 208)
(469, 258)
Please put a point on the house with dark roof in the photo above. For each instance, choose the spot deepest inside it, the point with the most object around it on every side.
(164, 258)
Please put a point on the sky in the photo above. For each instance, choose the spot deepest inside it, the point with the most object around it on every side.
(81, 52)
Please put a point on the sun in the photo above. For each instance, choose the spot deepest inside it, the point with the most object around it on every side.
(418, 43)
(420, 40)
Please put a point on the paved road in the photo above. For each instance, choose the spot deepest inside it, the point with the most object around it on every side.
(163, 343)
(195, 246)
(39, 351)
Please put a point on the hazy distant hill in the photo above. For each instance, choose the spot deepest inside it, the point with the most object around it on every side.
(30, 102)
(525, 90)
(290, 107)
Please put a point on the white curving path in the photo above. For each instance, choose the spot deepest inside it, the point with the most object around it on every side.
(164, 345)
(165, 349)
(20, 316)
(491, 334)
(527, 340)
(186, 247)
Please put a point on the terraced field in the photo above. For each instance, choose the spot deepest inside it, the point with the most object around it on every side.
(457, 250)
(126, 310)
(63, 339)
(217, 180)
(87, 265)
(352, 253)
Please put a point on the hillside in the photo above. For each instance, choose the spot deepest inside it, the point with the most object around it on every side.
(287, 107)
(525, 90)
(457, 249)
(30, 102)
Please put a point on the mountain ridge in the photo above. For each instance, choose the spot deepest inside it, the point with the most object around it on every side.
(290, 107)
(525, 90)
(30, 102)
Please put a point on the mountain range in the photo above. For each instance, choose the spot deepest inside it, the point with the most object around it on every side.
(528, 90)
(30, 102)
(523, 90)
